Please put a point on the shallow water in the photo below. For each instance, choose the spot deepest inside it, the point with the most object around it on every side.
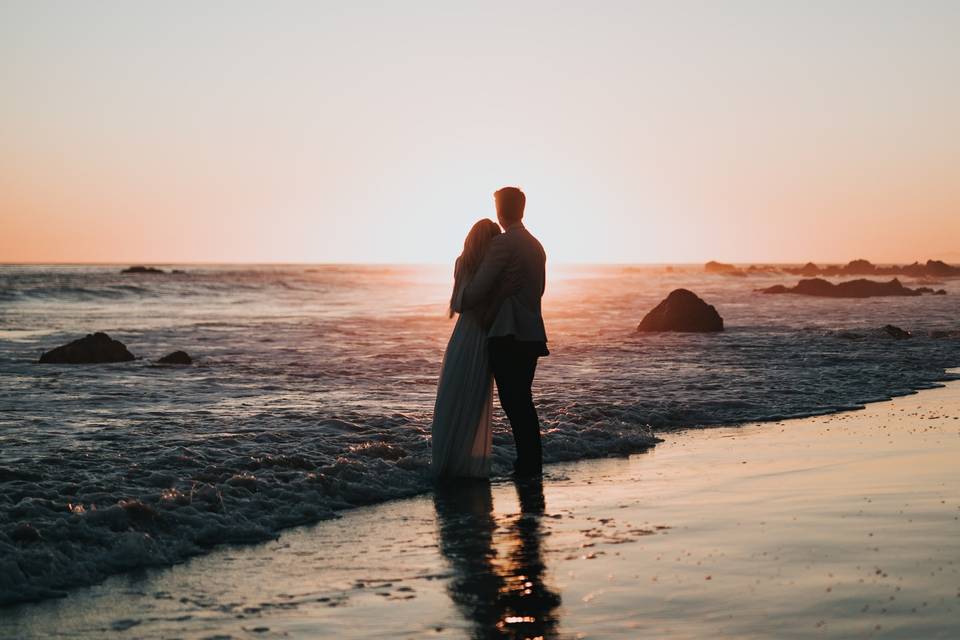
(313, 390)
(839, 526)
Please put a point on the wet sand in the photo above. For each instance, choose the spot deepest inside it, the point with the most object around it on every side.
(844, 526)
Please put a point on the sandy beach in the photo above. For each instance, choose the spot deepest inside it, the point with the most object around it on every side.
(836, 526)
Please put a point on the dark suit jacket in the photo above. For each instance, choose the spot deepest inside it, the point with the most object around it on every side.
(517, 257)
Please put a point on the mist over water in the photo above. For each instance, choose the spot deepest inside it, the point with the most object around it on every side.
(313, 391)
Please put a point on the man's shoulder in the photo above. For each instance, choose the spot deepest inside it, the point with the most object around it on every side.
(527, 240)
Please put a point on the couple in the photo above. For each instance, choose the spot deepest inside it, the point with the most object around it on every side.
(498, 282)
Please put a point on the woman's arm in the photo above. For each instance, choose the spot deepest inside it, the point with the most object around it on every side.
(487, 276)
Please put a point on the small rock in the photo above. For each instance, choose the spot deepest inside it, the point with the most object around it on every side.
(94, 348)
(177, 357)
(142, 269)
(896, 332)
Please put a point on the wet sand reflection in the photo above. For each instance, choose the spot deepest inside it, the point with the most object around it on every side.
(498, 582)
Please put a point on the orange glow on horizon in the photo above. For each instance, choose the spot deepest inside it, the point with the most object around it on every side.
(640, 134)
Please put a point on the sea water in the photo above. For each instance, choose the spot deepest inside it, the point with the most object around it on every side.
(313, 386)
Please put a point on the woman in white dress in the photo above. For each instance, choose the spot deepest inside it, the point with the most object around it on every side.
(462, 427)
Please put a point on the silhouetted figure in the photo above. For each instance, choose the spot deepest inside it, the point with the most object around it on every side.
(501, 593)
(517, 337)
(462, 426)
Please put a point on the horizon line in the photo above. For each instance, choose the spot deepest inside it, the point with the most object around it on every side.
(357, 263)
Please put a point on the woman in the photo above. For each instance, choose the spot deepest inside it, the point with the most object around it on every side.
(462, 427)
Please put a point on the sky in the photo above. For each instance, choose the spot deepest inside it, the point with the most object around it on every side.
(642, 132)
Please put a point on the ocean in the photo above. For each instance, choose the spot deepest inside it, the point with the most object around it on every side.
(313, 386)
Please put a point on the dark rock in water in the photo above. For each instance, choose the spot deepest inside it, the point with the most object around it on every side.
(142, 269)
(849, 289)
(177, 357)
(95, 348)
(940, 292)
(718, 267)
(860, 267)
(25, 533)
(941, 268)
(723, 269)
(896, 332)
(178, 271)
(682, 310)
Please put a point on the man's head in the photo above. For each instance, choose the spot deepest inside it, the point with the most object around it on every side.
(510, 203)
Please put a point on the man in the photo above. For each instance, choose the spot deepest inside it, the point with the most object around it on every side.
(517, 337)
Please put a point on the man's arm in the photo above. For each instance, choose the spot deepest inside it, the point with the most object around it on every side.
(487, 275)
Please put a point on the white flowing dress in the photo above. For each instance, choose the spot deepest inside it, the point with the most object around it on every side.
(462, 429)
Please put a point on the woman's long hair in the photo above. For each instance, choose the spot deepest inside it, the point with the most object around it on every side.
(474, 246)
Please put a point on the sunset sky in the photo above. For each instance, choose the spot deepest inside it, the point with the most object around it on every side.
(377, 132)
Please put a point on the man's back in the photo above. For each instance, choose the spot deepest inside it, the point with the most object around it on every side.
(518, 258)
(520, 314)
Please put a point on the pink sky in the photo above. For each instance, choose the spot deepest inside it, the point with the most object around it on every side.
(641, 132)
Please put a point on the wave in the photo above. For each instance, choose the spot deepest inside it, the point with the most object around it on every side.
(121, 499)
(304, 404)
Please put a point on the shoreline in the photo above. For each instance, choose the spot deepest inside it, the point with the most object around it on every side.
(642, 441)
(599, 519)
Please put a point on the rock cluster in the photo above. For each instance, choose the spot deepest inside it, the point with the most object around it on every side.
(177, 357)
(861, 288)
(860, 267)
(99, 348)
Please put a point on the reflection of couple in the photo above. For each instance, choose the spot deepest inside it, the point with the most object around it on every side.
(502, 594)
(498, 282)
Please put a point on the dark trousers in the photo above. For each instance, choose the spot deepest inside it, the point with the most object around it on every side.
(514, 364)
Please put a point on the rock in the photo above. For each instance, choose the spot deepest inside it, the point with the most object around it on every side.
(718, 267)
(723, 269)
(896, 332)
(95, 348)
(25, 533)
(861, 267)
(939, 268)
(177, 357)
(682, 310)
(142, 269)
(849, 289)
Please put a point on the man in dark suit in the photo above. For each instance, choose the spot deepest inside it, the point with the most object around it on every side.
(517, 337)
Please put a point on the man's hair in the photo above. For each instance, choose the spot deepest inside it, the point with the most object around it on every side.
(510, 203)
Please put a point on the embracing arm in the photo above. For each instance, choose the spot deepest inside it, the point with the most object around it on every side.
(488, 274)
